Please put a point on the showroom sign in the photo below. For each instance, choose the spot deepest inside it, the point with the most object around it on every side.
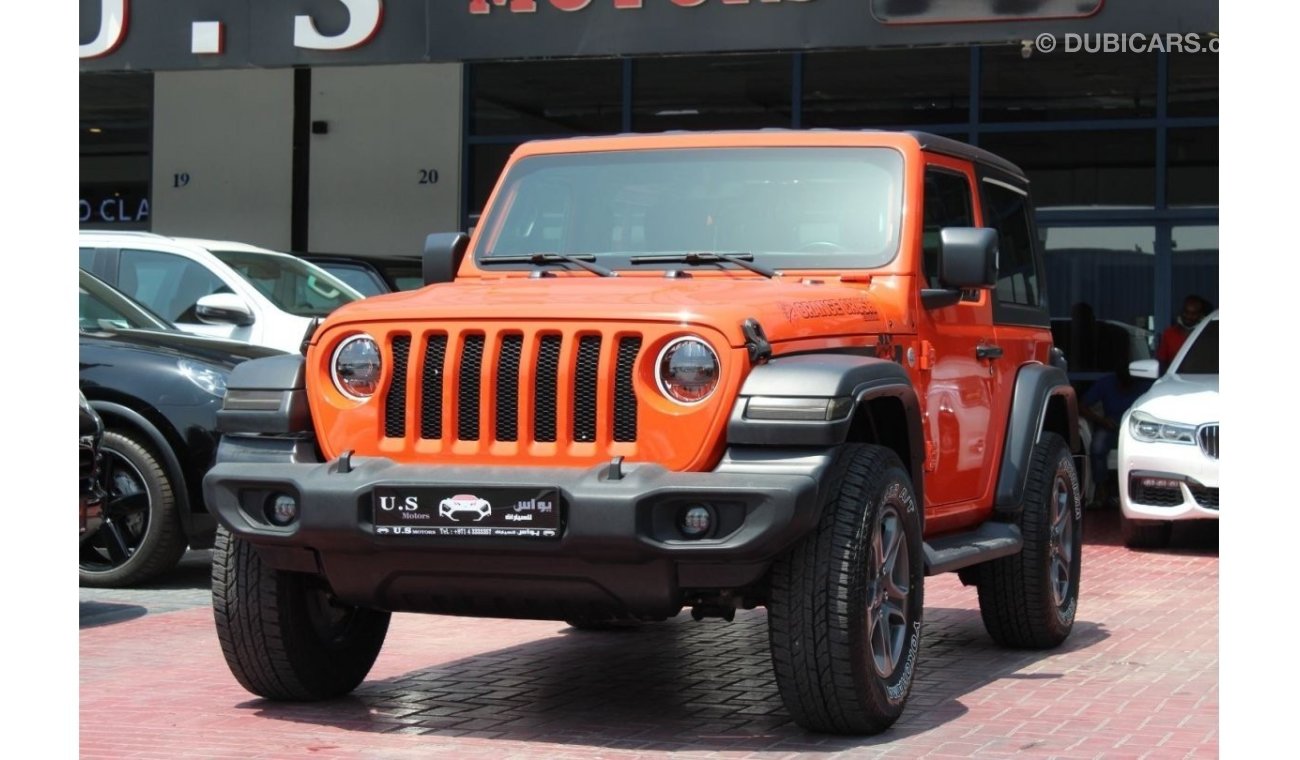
(114, 209)
(202, 34)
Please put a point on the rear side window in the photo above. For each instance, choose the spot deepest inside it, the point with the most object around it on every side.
(168, 284)
(1007, 211)
(947, 204)
(86, 259)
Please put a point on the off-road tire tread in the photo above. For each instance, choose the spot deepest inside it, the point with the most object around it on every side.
(817, 682)
(1017, 607)
(268, 642)
(164, 543)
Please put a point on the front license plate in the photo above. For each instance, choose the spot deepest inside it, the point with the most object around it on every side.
(510, 512)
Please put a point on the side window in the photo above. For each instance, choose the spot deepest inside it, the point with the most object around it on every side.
(1007, 211)
(86, 259)
(947, 204)
(168, 284)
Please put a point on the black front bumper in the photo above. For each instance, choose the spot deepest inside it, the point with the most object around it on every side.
(618, 553)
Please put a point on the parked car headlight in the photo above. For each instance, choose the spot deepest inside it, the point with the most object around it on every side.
(1144, 427)
(687, 370)
(207, 378)
(355, 368)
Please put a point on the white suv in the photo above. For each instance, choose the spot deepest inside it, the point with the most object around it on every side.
(217, 288)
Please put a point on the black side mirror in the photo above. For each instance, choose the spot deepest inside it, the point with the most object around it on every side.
(968, 259)
(443, 252)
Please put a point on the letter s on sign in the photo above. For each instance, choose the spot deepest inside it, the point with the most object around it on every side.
(366, 16)
(113, 15)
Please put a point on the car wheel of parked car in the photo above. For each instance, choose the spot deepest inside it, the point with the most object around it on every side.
(141, 534)
(1029, 599)
(283, 634)
(844, 617)
(1145, 534)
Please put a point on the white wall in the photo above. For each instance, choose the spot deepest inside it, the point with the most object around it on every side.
(232, 133)
(390, 128)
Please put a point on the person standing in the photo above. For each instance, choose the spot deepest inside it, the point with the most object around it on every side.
(1114, 393)
(1171, 340)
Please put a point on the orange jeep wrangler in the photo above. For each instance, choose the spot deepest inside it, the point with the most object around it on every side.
(793, 369)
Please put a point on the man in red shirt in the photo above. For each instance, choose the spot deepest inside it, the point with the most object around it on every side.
(1194, 310)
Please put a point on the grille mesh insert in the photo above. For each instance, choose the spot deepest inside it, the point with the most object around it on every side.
(624, 391)
(471, 381)
(435, 355)
(545, 386)
(395, 398)
(512, 347)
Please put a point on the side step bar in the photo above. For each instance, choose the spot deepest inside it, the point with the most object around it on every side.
(992, 540)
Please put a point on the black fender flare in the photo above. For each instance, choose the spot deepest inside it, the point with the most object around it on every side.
(181, 491)
(846, 382)
(1036, 386)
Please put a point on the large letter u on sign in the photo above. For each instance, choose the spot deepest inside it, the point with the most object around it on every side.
(112, 29)
(366, 15)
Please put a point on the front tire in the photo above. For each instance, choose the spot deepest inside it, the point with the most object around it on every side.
(283, 634)
(844, 617)
(141, 536)
(1029, 600)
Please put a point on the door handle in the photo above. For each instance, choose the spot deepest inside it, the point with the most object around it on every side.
(988, 352)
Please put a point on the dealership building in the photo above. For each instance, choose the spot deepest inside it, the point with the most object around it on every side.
(359, 126)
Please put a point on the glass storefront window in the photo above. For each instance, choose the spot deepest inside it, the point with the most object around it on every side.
(1061, 86)
(712, 92)
(1193, 84)
(1196, 263)
(1101, 289)
(115, 144)
(485, 165)
(877, 88)
(547, 98)
(1193, 176)
(1073, 169)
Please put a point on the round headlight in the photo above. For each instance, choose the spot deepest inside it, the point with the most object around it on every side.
(355, 368)
(688, 370)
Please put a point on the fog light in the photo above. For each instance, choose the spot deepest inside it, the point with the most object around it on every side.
(696, 521)
(282, 509)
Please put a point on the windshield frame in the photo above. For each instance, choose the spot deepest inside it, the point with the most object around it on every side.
(887, 158)
(299, 268)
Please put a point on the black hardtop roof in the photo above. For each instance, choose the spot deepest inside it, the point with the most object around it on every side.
(927, 141)
(958, 149)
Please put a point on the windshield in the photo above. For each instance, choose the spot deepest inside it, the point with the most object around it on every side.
(293, 285)
(363, 280)
(789, 207)
(102, 308)
(1202, 357)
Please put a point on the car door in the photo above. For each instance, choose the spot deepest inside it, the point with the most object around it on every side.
(1020, 315)
(960, 428)
(171, 285)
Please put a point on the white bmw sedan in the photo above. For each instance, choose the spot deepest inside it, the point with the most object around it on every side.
(1169, 443)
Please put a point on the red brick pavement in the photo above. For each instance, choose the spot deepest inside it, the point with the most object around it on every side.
(1138, 678)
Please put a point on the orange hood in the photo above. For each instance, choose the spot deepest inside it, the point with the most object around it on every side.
(788, 307)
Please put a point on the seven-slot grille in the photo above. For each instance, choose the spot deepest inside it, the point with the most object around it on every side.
(1208, 436)
(476, 371)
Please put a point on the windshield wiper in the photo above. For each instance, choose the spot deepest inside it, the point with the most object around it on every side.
(694, 258)
(583, 260)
